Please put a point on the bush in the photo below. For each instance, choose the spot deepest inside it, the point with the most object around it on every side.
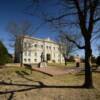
(71, 59)
(98, 60)
(4, 56)
(93, 59)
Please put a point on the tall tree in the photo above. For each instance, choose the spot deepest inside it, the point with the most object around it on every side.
(18, 31)
(81, 16)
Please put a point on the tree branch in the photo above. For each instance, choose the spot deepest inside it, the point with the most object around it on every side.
(74, 42)
(82, 20)
(60, 17)
(93, 6)
(96, 20)
(78, 7)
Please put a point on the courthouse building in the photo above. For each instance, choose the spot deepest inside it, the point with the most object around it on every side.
(33, 48)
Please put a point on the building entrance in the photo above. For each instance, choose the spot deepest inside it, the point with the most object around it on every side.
(48, 56)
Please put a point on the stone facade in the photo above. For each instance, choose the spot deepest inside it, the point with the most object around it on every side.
(34, 47)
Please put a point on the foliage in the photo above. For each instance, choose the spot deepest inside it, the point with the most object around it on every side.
(93, 59)
(71, 59)
(98, 60)
(4, 56)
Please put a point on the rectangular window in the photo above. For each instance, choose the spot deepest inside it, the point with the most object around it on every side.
(35, 60)
(25, 60)
(29, 60)
(58, 60)
(54, 55)
(35, 54)
(29, 45)
(29, 53)
(47, 47)
(25, 53)
(42, 46)
(25, 44)
(35, 45)
(58, 55)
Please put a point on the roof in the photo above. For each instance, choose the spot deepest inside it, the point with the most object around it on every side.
(39, 39)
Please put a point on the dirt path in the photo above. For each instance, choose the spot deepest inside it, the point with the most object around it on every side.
(52, 71)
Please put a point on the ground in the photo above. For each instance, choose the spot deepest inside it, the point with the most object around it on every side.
(19, 84)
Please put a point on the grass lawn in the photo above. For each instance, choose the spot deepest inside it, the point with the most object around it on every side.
(19, 84)
(69, 65)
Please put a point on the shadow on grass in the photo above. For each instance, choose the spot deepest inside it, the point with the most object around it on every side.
(82, 72)
(11, 96)
(22, 74)
(96, 70)
(28, 87)
(25, 73)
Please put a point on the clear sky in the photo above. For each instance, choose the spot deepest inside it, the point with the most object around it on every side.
(13, 10)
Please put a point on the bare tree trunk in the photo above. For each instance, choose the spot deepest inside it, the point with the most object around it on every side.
(21, 53)
(21, 59)
(88, 70)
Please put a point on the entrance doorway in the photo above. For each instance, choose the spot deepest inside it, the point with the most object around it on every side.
(48, 56)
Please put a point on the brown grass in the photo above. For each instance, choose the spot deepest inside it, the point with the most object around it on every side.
(52, 88)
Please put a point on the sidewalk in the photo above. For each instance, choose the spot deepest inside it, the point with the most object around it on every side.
(52, 71)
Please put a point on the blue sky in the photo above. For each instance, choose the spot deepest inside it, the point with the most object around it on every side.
(13, 10)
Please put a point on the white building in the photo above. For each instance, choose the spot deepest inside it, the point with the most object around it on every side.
(34, 47)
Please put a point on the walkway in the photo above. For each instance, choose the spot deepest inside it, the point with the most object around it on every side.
(52, 71)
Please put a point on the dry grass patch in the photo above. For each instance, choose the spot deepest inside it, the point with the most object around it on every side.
(52, 88)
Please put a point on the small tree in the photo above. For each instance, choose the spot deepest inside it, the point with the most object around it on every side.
(93, 59)
(98, 61)
(65, 47)
(71, 59)
(4, 55)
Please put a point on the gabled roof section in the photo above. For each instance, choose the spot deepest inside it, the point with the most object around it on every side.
(39, 39)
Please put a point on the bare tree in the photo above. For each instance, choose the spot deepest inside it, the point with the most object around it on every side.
(18, 31)
(81, 16)
(65, 46)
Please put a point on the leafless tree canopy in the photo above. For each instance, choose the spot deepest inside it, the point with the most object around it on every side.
(19, 29)
(80, 16)
(66, 47)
